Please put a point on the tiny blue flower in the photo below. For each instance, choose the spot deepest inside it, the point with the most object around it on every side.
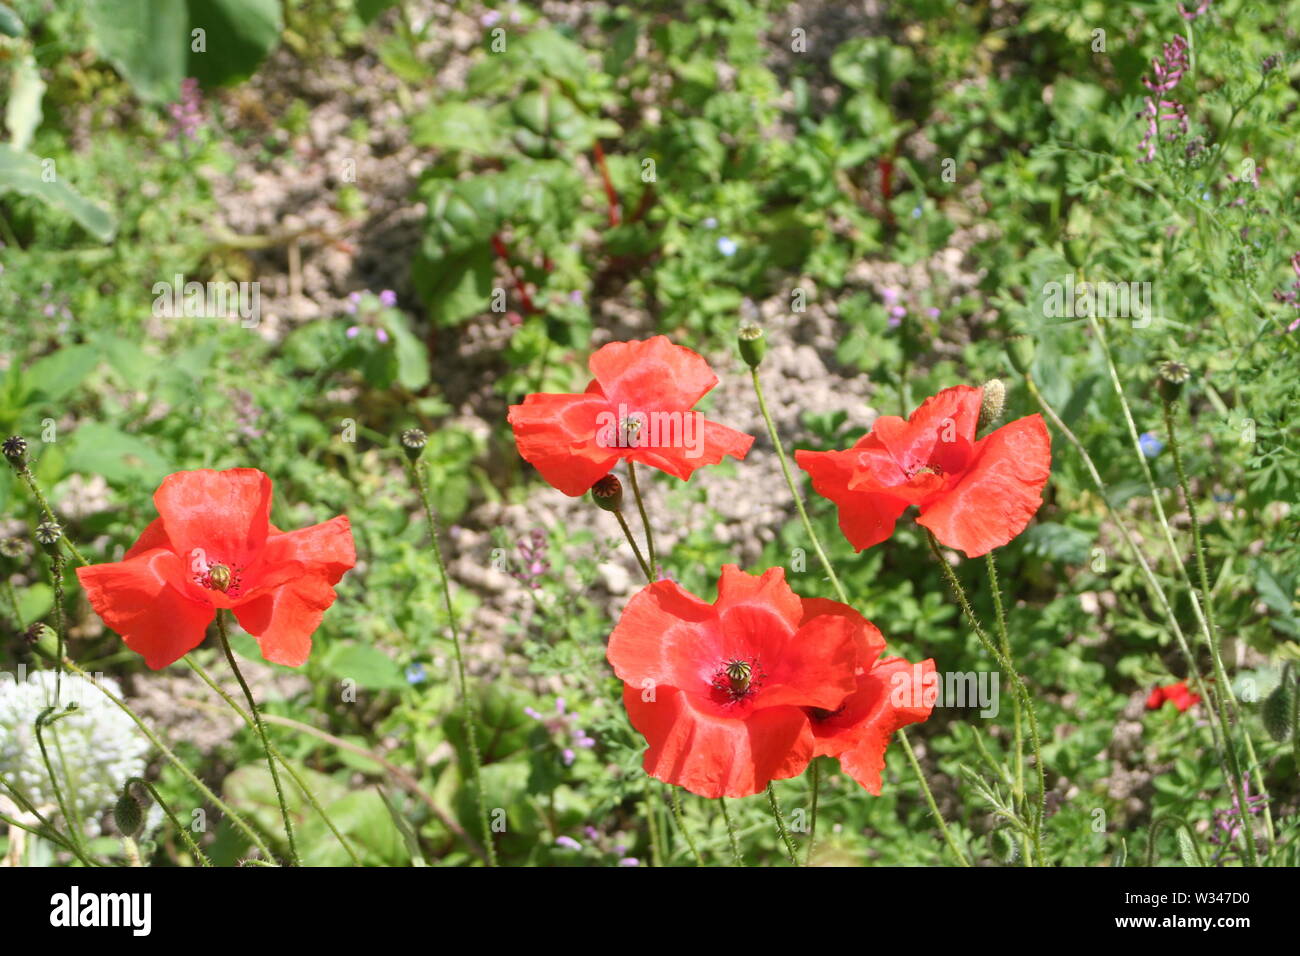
(1151, 444)
(710, 223)
(726, 246)
(415, 674)
(916, 212)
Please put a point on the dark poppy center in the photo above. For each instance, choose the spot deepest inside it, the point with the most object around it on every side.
(737, 679)
(219, 577)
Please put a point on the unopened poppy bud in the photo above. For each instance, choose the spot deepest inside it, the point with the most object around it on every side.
(413, 442)
(992, 403)
(607, 493)
(219, 576)
(753, 345)
(1020, 349)
(15, 449)
(47, 536)
(42, 637)
(1276, 710)
(1170, 379)
(127, 813)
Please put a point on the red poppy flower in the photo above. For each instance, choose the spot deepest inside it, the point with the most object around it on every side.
(974, 494)
(639, 406)
(1178, 694)
(212, 547)
(891, 693)
(722, 691)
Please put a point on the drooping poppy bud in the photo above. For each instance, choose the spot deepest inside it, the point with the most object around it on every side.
(607, 493)
(127, 813)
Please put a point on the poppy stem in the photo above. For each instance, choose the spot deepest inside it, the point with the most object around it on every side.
(60, 623)
(1012, 675)
(1224, 688)
(176, 762)
(25, 473)
(780, 823)
(645, 521)
(844, 599)
(731, 832)
(1004, 640)
(420, 479)
(627, 533)
(1227, 703)
(261, 732)
(652, 824)
(288, 767)
(199, 856)
(680, 817)
(74, 839)
(814, 786)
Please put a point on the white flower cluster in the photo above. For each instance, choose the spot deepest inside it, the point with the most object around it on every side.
(94, 750)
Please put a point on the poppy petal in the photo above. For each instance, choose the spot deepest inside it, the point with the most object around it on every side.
(559, 436)
(866, 517)
(216, 516)
(715, 756)
(681, 459)
(1001, 492)
(284, 618)
(652, 374)
(144, 600)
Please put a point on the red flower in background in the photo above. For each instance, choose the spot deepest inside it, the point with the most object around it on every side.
(975, 495)
(639, 406)
(1178, 694)
(212, 547)
(728, 694)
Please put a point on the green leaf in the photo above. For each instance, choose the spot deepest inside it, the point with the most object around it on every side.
(465, 127)
(240, 33)
(24, 174)
(10, 25)
(369, 667)
(148, 43)
(95, 448)
(457, 287)
(58, 374)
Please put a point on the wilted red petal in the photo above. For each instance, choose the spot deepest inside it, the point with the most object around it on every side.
(999, 494)
(144, 600)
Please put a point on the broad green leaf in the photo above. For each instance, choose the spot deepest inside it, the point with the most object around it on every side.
(369, 667)
(147, 42)
(95, 448)
(25, 174)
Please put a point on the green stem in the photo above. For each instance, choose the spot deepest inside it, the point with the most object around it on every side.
(780, 823)
(645, 521)
(815, 786)
(1012, 675)
(652, 825)
(1226, 701)
(288, 767)
(25, 473)
(1230, 753)
(627, 533)
(680, 817)
(1004, 640)
(731, 832)
(261, 733)
(60, 625)
(199, 856)
(420, 480)
(74, 841)
(843, 597)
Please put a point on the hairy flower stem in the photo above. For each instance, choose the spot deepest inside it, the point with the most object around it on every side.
(1229, 751)
(652, 825)
(199, 856)
(1226, 701)
(43, 720)
(627, 533)
(731, 832)
(680, 817)
(813, 786)
(780, 823)
(1013, 675)
(261, 733)
(288, 767)
(60, 624)
(420, 480)
(235, 819)
(645, 521)
(1004, 641)
(843, 597)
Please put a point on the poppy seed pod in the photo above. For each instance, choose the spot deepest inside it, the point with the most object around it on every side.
(753, 345)
(15, 449)
(1170, 379)
(413, 442)
(47, 536)
(608, 493)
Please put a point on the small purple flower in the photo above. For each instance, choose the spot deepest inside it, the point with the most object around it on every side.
(592, 833)
(576, 297)
(629, 861)
(531, 712)
(382, 336)
(932, 312)
(898, 312)
(1151, 444)
(491, 18)
(388, 298)
(890, 295)
(727, 246)
(559, 705)
(569, 756)
(353, 331)
(568, 842)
